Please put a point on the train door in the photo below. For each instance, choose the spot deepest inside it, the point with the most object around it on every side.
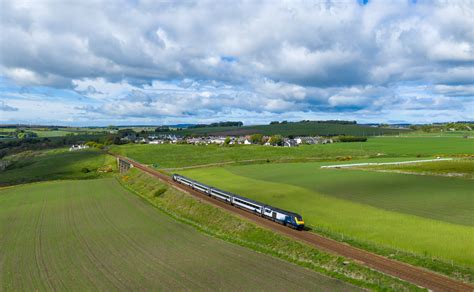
(274, 215)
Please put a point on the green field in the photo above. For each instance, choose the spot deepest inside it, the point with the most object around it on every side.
(67, 236)
(425, 215)
(170, 156)
(56, 164)
(457, 167)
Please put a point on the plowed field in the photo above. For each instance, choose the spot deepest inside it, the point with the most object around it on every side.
(81, 235)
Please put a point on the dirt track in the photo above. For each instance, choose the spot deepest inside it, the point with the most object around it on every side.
(415, 275)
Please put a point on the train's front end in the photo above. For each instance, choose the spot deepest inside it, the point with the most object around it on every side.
(298, 221)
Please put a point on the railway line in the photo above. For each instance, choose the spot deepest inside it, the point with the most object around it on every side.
(415, 275)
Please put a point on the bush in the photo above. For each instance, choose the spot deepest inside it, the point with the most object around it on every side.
(256, 139)
(352, 139)
(160, 191)
(85, 170)
(276, 140)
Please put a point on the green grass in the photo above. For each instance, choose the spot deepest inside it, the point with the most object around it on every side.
(431, 197)
(170, 156)
(56, 164)
(52, 133)
(224, 225)
(458, 167)
(67, 236)
(379, 209)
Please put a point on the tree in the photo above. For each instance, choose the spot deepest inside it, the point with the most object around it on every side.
(162, 129)
(227, 141)
(256, 139)
(276, 140)
(126, 132)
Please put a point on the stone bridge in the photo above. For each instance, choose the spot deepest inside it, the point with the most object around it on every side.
(123, 165)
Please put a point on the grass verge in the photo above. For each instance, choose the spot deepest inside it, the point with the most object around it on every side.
(220, 224)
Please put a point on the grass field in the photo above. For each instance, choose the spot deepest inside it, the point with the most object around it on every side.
(169, 156)
(457, 167)
(67, 236)
(56, 164)
(428, 216)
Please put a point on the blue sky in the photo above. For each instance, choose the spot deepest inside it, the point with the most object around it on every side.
(153, 62)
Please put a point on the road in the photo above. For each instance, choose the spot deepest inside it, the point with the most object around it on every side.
(415, 275)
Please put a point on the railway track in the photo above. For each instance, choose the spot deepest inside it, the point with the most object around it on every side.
(412, 274)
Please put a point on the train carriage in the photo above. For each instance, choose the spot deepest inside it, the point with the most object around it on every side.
(284, 217)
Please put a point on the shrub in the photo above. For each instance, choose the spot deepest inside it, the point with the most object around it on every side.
(352, 139)
(256, 139)
(85, 170)
(160, 191)
(276, 140)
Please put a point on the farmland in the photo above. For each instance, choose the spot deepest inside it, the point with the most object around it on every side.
(428, 216)
(67, 235)
(32, 166)
(171, 156)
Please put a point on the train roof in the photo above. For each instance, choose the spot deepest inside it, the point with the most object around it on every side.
(194, 181)
(244, 198)
(250, 200)
(287, 212)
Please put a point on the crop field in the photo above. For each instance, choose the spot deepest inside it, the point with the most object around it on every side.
(425, 215)
(171, 156)
(56, 164)
(67, 236)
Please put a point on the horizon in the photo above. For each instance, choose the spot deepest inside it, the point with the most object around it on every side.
(135, 62)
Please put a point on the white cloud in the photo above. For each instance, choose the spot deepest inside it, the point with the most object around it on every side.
(190, 59)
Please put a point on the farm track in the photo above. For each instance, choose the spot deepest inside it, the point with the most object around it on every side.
(415, 275)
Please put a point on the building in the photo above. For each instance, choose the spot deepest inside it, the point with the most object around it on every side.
(290, 143)
(78, 147)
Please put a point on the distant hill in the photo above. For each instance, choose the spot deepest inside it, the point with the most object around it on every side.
(310, 128)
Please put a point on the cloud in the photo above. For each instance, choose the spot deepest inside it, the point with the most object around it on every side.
(5, 107)
(201, 59)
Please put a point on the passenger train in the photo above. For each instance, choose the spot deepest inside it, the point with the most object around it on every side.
(287, 218)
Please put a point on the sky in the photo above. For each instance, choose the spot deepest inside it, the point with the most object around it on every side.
(125, 62)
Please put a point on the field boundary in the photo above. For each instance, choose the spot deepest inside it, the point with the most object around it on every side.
(407, 272)
(384, 163)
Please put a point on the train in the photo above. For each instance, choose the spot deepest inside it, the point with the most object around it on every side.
(283, 217)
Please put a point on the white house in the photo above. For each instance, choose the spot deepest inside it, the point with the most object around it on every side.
(78, 147)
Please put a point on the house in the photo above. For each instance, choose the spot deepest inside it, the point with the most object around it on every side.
(305, 140)
(129, 137)
(290, 143)
(78, 147)
(155, 142)
(141, 140)
(217, 140)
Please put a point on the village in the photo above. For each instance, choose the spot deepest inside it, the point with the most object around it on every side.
(256, 139)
